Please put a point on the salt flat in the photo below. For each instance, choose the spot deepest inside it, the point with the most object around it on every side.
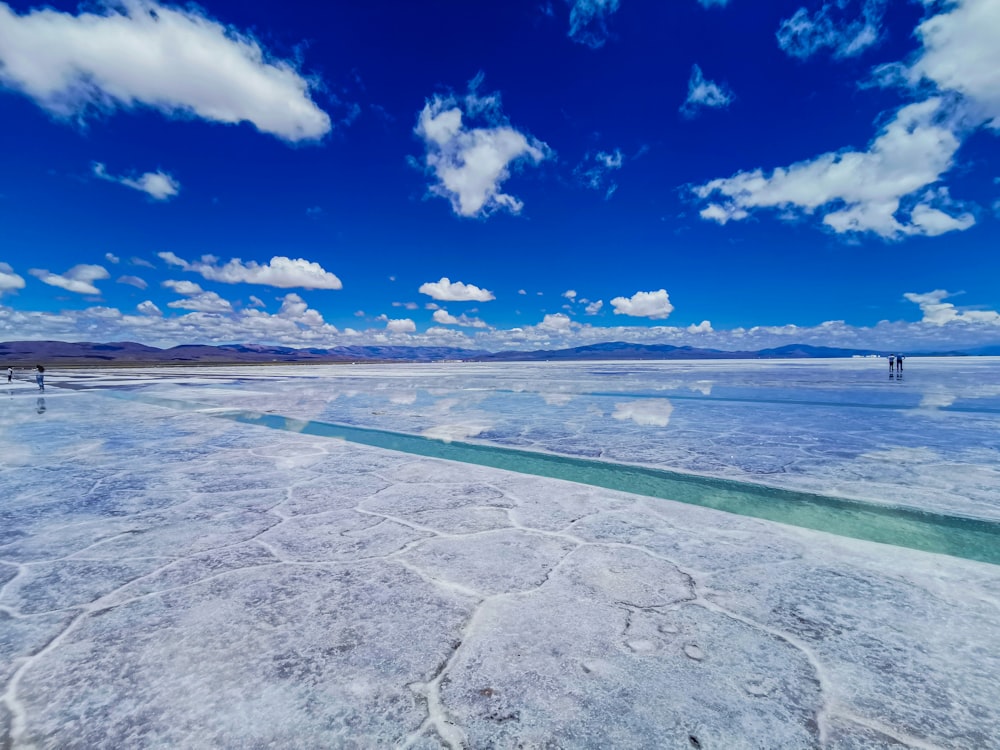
(171, 578)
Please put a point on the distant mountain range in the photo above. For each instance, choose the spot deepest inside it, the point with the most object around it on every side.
(54, 353)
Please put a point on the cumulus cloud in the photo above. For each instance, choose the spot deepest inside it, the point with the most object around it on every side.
(79, 279)
(111, 258)
(650, 412)
(594, 307)
(293, 307)
(445, 318)
(703, 93)
(447, 291)
(835, 26)
(280, 272)
(939, 313)
(148, 308)
(588, 21)
(704, 326)
(960, 54)
(891, 189)
(140, 53)
(9, 281)
(569, 294)
(859, 191)
(653, 305)
(133, 281)
(399, 325)
(158, 185)
(469, 164)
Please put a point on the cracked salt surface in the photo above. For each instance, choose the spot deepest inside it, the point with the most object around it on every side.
(171, 579)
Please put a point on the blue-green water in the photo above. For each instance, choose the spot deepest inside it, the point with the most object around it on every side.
(969, 538)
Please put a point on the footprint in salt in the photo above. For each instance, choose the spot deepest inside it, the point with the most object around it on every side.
(641, 646)
(693, 651)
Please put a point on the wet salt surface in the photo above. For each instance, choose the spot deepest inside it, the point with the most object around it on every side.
(170, 579)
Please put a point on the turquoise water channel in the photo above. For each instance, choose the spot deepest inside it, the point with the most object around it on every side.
(969, 538)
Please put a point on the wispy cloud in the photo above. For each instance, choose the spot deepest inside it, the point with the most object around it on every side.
(132, 281)
(140, 53)
(588, 21)
(469, 164)
(79, 279)
(158, 185)
(836, 26)
(704, 94)
(597, 168)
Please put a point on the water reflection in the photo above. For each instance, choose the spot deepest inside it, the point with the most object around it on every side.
(40, 405)
(652, 412)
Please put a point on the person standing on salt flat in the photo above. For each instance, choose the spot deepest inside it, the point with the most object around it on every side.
(40, 378)
(899, 363)
(892, 363)
(10, 374)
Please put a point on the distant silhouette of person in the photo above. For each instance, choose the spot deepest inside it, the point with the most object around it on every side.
(10, 374)
(892, 363)
(40, 405)
(899, 363)
(40, 377)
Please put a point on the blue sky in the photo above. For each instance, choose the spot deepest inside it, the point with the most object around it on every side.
(502, 175)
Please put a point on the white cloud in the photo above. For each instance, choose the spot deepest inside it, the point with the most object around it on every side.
(402, 325)
(293, 307)
(650, 412)
(569, 294)
(206, 302)
(858, 191)
(280, 272)
(938, 313)
(78, 279)
(196, 298)
(588, 21)
(254, 301)
(443, 317)
(704, 326)
(594, 307)
(804, 34)
(182, 287)
(158, 185)
(407, 305)
(9, 281)
(653, 305)
(139, 53)
(961, 54)
(556, 323)
(446, 291)
(133, 281)
(703, 93)
(470, 164)
(111, 258)
(148, 308)
(596, 169)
